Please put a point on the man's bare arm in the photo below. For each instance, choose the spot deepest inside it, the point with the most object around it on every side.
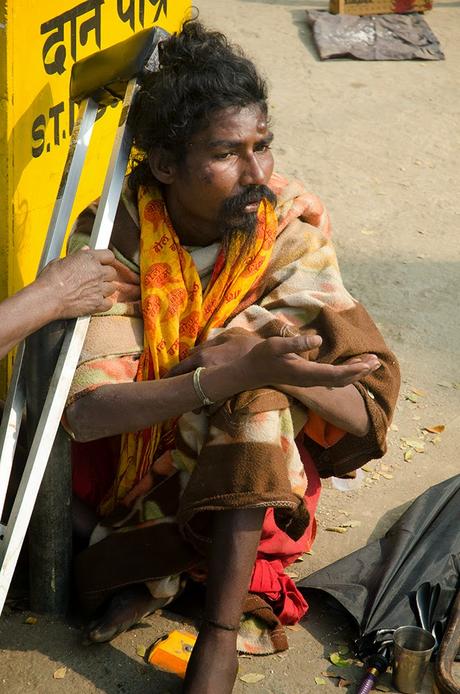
(115, 409)
(344, 406)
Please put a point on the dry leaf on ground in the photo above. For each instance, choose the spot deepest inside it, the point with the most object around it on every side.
(60, 673)
(30, 620)
(416, 444)
(252, 677)
(435, 429)
(343, 682)
(339, 660)
(336, 529)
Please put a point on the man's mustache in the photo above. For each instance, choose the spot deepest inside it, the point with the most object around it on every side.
(235, 205)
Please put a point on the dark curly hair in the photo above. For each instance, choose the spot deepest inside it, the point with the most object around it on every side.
(200, 72)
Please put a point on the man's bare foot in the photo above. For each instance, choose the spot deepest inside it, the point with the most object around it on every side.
(125, 609)
(213, 665)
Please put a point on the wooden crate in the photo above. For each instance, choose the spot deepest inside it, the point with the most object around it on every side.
(366, 7)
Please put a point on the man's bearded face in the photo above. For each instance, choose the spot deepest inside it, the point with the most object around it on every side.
(217, 190)
(238, 214)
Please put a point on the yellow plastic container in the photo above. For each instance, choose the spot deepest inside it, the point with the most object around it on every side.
(171, 652)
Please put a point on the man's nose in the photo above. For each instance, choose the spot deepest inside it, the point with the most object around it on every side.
(253, 173)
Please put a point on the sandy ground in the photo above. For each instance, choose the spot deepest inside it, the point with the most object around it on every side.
(379, 142)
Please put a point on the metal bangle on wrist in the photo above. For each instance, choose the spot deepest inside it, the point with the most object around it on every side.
(205, 401)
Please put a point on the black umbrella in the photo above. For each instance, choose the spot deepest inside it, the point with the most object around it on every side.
(409, 577)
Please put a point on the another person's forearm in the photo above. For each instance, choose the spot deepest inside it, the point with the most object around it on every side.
(23, 314)
(343, 407)
(78, 285)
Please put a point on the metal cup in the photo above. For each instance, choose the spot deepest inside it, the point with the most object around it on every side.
(412, 652)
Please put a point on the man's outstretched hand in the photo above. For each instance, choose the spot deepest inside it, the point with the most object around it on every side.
(277, 360)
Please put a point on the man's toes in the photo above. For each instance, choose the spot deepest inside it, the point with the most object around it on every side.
(124, 610)
(101, 632)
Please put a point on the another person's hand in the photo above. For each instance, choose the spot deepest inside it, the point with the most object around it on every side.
(80, 284)
(277, 361)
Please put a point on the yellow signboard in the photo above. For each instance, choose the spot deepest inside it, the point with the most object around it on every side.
(41, 41)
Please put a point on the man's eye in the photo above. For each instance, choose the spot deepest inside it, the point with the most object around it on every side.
(263, 147)
(224, 155)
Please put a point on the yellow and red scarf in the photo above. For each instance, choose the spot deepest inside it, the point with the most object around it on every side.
(177, 314)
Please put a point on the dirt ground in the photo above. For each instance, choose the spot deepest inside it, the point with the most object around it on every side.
(379, 142)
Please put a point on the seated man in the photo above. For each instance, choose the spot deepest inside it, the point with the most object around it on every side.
(252, 358)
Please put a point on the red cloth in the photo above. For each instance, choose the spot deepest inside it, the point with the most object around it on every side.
(277, 550)
(94, 466)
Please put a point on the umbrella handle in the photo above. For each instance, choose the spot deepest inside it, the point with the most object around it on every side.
(376, 664)
(368, 684)
(447, 652)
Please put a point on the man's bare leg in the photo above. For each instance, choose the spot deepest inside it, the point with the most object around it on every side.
(125, 609)
(213, 664)
(128, 606)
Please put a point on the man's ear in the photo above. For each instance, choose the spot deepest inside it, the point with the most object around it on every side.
(162, 165)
